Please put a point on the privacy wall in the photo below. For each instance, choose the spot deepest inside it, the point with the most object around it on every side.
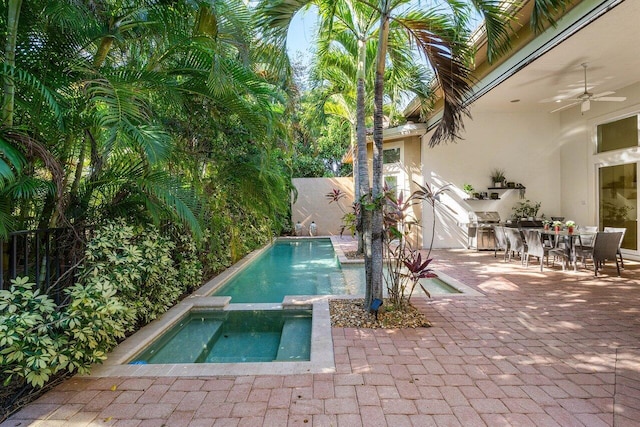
(312, 204)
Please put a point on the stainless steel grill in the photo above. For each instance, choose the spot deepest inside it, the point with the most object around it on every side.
(480, 230)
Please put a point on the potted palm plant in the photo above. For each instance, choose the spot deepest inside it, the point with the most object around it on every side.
(498, 178)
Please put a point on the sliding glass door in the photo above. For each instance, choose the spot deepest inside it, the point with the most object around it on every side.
(618, 205)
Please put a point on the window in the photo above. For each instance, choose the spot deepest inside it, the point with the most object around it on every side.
(392, 182)
(618, 134)
(391, 155)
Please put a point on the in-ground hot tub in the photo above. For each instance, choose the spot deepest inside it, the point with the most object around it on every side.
(235, 336)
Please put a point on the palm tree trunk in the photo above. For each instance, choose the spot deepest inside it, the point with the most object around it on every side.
(103, 51)
(364, 218)
(9, 86)
(377, 193)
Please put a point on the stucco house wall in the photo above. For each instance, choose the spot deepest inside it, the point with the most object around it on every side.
(312, 204)
(524, 145)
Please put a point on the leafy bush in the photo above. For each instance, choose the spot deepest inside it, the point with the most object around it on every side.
(38, 340)
(91, 324)
(137, 262)
(28, 321)
(129, 277)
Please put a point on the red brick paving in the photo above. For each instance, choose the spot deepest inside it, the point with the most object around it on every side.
(551, 349)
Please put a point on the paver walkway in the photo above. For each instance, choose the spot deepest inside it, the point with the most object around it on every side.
(539, 349)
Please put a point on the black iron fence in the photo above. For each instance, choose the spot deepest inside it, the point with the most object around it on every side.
(49, 257)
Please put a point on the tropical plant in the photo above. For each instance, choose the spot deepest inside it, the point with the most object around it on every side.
(404, 265)
(349, 218)
(100, 100)
(497, 176)
(526, 209)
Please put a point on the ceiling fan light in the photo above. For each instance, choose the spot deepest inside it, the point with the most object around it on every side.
(585, 106)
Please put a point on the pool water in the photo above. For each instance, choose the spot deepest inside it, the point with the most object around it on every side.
(234, 336)
(435, 285)
(290, 267)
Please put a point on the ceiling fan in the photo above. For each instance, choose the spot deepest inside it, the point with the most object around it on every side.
(585, 98)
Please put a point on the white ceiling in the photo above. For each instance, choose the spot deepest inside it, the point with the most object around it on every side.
(611, 48)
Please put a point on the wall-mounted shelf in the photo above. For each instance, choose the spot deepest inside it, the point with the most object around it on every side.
(506, 188)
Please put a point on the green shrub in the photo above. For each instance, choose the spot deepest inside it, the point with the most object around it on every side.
(130, 276)
(38, 340)
(91, 324)
(189, 267)
(138, 263)
(28, 321)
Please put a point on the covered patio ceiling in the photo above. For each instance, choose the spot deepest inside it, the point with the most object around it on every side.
(611, 48)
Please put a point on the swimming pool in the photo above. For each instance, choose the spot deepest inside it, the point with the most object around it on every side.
(290, 267)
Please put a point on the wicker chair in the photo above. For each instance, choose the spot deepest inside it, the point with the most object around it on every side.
(516, 243)
(605, 248)
(535, 247)
(618, 230)
(502, 243)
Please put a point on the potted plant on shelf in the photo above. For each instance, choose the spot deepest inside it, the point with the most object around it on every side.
(571, 225)
(498, 178)
(546, 224)
(468, 188)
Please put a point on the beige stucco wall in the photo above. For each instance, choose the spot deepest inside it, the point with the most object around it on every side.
(408, 171)
(313, 205)
(525, 145)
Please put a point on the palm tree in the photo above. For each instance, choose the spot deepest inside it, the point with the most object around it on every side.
(440, 35)
(98, 94)
(340, 62)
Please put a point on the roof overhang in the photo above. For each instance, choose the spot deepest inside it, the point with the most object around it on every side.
(602, 33)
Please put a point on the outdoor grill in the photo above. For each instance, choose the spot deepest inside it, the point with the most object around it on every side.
(480, 230)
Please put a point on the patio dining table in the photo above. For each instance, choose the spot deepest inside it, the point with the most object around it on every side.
(570, 241)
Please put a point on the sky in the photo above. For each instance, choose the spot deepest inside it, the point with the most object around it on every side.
(301, 32)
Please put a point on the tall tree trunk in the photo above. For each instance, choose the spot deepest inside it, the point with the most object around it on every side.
(377, 188)
(103, 51)
(9, 85)
(356, 187)
(363, 219)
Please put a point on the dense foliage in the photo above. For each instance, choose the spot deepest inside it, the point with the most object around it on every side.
(130, 275)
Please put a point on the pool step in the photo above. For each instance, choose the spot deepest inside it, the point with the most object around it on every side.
(295, 341)
(189, 345)
(323, 284)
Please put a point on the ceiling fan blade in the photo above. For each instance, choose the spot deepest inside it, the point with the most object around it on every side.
(564, 107)
(585, 106)
(610, 98)
(601, 94)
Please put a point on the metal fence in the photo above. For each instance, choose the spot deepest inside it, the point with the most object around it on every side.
(48, 257)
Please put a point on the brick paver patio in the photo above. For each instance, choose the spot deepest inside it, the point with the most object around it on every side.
(538, 349)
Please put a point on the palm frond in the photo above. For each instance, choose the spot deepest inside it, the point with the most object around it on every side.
(11, 161)
(438, 39)
(546, 11)
(498, 15)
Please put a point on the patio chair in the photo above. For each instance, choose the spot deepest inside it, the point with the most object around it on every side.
(501, 241)
(605, 248)
(516, 243)
(586, 235)
(617, 230)
(560, 250)
(535, 247)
